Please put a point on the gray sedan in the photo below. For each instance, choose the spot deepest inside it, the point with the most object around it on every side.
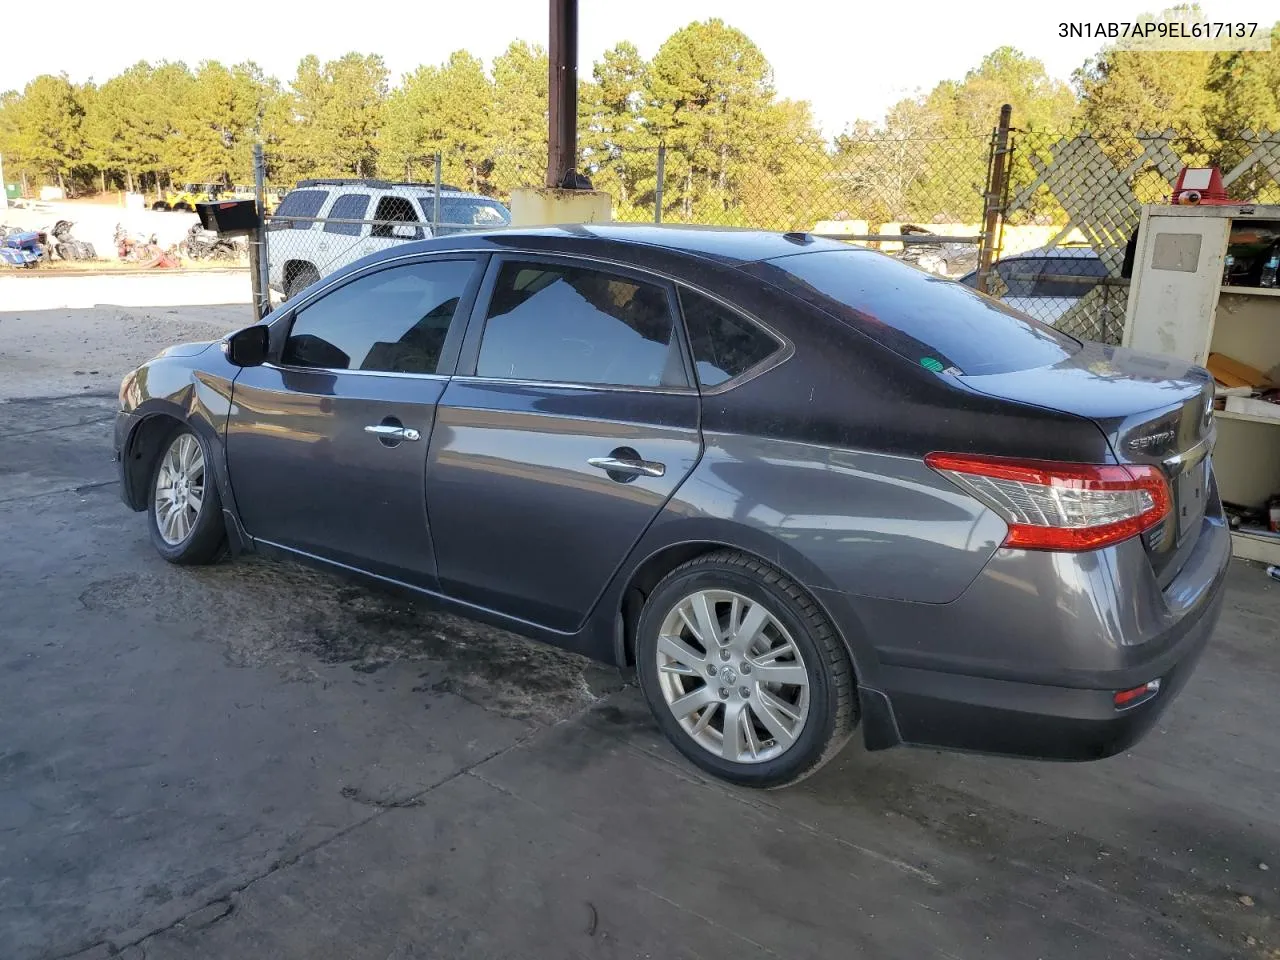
(797, 486)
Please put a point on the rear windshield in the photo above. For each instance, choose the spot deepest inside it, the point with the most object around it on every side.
(938, 323)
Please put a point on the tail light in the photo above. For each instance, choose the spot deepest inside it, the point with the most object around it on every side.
(1061, 506)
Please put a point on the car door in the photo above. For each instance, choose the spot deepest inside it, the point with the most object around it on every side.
(570, 423)
(342, 236)
(327, 443)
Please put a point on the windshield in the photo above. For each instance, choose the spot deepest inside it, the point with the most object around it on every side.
(467, 212)
(937, 323)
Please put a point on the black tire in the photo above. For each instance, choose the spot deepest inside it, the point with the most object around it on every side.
(833, 709)
(206, 539)
(302, 278)
(182, 206)
(161, 206)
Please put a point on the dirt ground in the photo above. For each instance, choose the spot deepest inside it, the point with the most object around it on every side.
(259, 760)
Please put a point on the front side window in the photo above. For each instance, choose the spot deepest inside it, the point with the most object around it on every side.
(393, 321)
(349, 206)
(724, 344)
(392, 212)
(569, 324)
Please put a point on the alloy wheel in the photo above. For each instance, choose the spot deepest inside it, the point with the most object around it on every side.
(179, 493)
(732, 676)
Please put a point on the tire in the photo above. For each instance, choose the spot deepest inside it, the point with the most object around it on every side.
(302, 278)
(161, 206)
(182, 206)
(182, 535)
(790, 729)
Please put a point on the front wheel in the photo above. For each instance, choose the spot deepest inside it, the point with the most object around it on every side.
(185, 512)
(744, 672)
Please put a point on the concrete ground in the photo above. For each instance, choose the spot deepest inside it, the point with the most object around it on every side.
(256, 760)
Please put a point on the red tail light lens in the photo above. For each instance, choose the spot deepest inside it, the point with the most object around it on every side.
(1061, 506)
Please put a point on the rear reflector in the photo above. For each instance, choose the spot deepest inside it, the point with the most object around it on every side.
(1130, 698)
(1061, 506)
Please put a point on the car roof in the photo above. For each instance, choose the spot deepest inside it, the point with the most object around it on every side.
(413, 189)
(726, 245)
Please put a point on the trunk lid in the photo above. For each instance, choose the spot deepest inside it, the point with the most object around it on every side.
(1153, 410)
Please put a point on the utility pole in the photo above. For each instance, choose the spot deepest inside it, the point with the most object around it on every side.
(562, 113)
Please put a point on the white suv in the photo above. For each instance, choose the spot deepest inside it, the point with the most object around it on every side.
(339, 221)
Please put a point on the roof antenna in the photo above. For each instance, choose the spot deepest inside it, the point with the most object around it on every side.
(798, 236)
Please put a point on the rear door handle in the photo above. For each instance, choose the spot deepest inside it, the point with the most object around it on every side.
(628, 466)
(387, 431)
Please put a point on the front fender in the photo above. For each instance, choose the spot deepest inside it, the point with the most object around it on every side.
(171, 390)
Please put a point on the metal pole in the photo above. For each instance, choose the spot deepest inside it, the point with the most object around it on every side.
(994, 198)
(562, 112)
(259, 265)
(657, 190)
(4, 187)
(435, 203)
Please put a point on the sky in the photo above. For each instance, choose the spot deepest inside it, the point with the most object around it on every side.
(851, 60)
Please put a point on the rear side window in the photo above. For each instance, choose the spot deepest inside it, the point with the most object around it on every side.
(724, 344)
(394, 321)
(349, 206)
(299, 203)
(928, 320)
(567, 324)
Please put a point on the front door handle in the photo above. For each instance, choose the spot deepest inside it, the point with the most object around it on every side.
(389, 431)
(628, 466)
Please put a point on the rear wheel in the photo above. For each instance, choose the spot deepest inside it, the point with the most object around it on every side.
(185, 510)
(160, 205)
(301, 278)
(744, 672)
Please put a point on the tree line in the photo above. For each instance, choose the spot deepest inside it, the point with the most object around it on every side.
(736, 152)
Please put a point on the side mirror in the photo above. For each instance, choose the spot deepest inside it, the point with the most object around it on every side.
(403, 231)
(248, 347)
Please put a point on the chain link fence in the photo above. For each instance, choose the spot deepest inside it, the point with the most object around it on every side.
(1059, 219)
(917, 198)
(1074, 201)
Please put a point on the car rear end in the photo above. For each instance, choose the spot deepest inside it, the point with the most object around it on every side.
(1089, 615)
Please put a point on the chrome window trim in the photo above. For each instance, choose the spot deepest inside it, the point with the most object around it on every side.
(773, 361)
(289, 368)
(574, 385)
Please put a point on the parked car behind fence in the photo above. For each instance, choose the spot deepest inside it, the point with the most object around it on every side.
(322, 226)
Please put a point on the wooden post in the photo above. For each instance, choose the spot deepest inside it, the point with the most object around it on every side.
(994, 196)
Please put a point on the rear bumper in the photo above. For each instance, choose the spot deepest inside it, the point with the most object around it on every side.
(958, 712)
(1027, 662)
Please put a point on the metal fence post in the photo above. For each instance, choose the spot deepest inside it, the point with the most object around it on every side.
(259, 265)
(435, 200)
(657, 191)
(993, 199)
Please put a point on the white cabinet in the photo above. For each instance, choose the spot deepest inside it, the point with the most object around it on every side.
(1178, 305)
